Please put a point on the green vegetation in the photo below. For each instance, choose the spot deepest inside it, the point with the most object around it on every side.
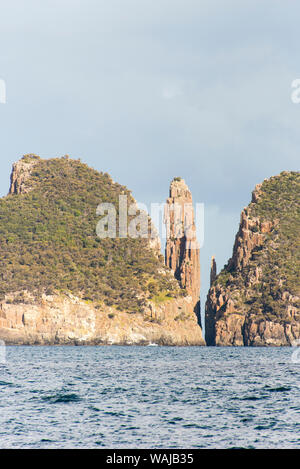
(162, 297)
(280, 203)
(29, 157)
(277, 259)
(223, 278)
(48, 241)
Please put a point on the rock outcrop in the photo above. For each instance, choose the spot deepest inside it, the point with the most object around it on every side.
(69, 320)
(213, 270)
(20, 174)
(255, 300)
(182, 253)
(60, 283)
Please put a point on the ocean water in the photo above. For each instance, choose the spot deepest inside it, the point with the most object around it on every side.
(149, 397)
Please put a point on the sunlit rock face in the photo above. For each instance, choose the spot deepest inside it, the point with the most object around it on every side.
(255, 299)
(182, 253)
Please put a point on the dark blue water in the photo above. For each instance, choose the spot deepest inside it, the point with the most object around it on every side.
(150, 397)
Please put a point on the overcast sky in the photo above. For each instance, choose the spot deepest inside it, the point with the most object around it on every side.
(151, 89)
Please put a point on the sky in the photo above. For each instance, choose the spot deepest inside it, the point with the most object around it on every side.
(151, 90)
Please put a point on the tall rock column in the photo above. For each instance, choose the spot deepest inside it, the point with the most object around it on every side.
(213, 270)
(182, 253)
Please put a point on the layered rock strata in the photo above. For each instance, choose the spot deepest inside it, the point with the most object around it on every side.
(68, 320)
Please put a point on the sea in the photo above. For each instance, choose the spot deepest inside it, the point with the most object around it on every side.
(149, 397)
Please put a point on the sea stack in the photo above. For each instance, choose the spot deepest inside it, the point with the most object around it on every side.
(182, 253)
(213, 270)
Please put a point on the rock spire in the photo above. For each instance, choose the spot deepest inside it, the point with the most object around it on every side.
(213, 270)
(182, 253)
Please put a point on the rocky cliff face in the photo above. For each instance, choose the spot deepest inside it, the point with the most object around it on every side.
(69, 320)
(61, 284)
(182, 253)
(20, 174)
(255, 300)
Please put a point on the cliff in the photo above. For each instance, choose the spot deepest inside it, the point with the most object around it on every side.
(21, 172)
(182, 254)
(255, 300)
(61, 283)
(68, 320)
